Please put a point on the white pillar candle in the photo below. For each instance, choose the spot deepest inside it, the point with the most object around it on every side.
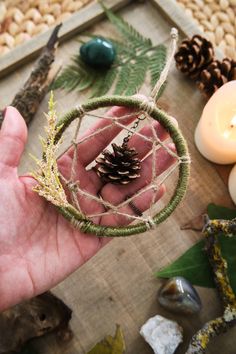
(232, 184)
(215, 135)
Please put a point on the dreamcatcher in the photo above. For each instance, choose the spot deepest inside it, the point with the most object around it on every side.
(120, 165)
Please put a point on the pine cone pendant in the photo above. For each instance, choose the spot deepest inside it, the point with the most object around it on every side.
(120, 167)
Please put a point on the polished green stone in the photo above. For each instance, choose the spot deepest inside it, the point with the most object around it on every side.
(98, 53)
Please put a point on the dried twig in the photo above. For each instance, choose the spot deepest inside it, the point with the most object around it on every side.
(27, 100)
(221, 324)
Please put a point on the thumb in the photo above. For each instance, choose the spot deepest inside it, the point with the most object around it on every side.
(13, 136)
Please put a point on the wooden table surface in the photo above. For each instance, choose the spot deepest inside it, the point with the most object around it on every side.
(117, 285)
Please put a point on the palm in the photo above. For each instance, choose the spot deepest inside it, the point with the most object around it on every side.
(38, 247)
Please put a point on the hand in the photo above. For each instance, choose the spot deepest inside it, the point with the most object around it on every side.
(38, 247)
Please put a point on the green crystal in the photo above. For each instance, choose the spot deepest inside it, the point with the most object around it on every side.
(98, 53)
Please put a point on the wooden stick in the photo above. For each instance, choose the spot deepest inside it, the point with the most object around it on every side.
(28, 99)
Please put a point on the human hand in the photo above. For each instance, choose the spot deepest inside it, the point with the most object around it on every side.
(38, 247)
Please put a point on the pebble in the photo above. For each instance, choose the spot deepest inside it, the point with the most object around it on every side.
(229, 38)
(219, 34)
(178, 295)
(98, 53)
(224, 4)
(228, 27)
(214, 20)
(3, 12)
(163, 335)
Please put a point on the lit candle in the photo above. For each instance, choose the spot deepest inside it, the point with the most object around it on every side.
(215, 135)
(232, 184)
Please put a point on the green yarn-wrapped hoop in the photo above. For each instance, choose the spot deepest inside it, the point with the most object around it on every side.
(79, 220)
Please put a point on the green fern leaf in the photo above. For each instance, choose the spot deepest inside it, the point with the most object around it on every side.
(137, 75)
(123, 79)
(136, 40)
(157, 62)
(75, 76)
(104, 82)
(68, 79)
(161, 91)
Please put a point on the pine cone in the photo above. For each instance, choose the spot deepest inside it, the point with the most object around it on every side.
(194, 55)
(120, 167)
(216, 75)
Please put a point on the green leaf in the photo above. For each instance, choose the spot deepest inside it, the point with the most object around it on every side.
(157, 62)
(193, 264)
(75, 76)
(135, 39)
(110, 345)
(123, 79)
(103, 83)
(137, 75)
(68, 79)
(219, 212)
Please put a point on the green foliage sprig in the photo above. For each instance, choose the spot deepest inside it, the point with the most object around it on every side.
(136, 56)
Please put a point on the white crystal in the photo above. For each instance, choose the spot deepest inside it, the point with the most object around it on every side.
(162, 335)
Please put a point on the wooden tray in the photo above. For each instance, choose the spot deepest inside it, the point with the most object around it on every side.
(117, 285)
(75, 24)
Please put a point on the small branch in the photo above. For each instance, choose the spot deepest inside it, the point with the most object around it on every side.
(221, 324)
(212, 227)
(210, 330)
(27, 100)
(219, 267)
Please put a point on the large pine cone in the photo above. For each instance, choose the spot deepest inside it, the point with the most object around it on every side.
(216, 75)
(194, 55)
(120, 167)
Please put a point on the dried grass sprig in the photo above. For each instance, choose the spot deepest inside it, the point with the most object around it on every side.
(49, 185)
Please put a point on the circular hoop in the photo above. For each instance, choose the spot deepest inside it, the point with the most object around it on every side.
(86, 225)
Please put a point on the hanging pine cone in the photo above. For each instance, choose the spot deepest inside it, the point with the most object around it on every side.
(216, 75)
(120, 167)
(194, 55)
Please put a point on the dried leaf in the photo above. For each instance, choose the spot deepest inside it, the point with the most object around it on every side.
(193, 264)
(195, 224)
(110, 345)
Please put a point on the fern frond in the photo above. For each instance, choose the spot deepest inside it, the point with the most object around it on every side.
(68, 79)
(104, 82)
(123, 79)
(161, 91)
(75, 76)
(136, 40)
(157, 62)
(137, 75)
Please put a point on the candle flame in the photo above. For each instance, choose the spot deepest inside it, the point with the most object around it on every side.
(233, 122)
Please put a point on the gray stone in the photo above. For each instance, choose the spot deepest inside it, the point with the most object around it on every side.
(178, 295)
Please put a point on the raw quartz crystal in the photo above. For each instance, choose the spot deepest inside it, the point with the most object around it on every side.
(162, 335)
